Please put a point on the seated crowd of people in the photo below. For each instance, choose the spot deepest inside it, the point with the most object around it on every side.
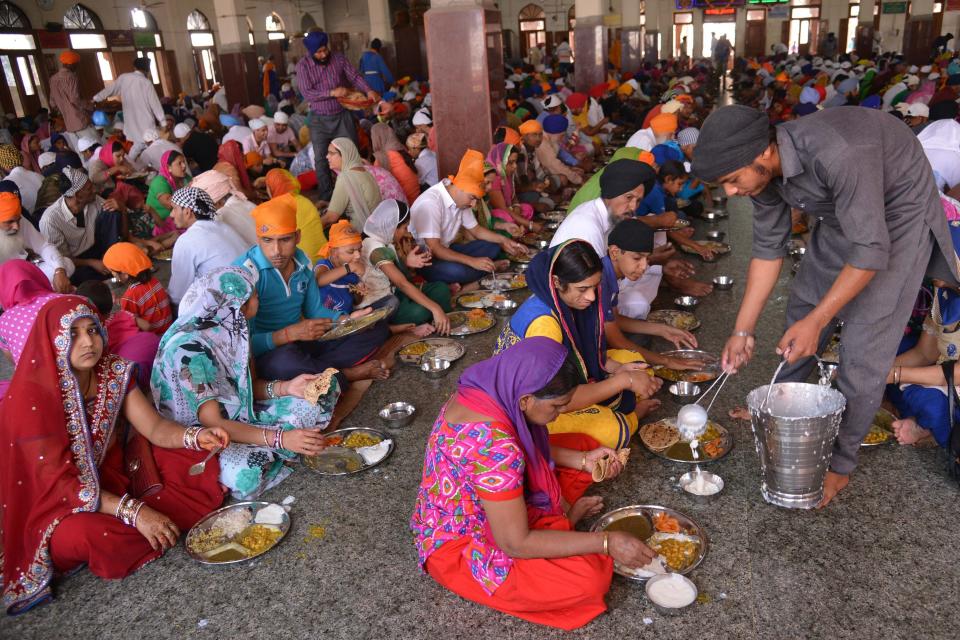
(278, 229)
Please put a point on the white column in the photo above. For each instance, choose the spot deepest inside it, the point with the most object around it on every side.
(379, 11)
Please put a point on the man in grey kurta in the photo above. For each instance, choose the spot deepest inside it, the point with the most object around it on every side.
(880, 227)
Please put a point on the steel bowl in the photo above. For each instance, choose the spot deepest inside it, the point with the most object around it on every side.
(685, 391)
(717, 235)
(711, 216)
(435, 368)
(551, 226)
(397, 415)
(687, 478)
(670, 611)
(540, 244)
(520, 267)
(798, 252)
(723, 283)
(686, 302)
(504, 307)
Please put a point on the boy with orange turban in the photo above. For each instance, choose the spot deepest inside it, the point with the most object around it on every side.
(442, 211)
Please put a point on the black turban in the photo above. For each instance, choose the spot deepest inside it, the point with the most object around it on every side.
(632, 235)
(622, 176)
(730, 138)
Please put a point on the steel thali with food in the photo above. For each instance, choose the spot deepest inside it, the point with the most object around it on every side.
(675, 318)
(662, 439)
(349, 326)
(218, 539)
(471, 299)
(645, 522)
(709, 371)
(881, 431)
(468, 323)
(445, 348)
(343, 456)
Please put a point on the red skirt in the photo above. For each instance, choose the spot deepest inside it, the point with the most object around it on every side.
(112, 549)
(566, 593)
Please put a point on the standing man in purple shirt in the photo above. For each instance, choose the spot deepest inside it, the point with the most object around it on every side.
(323, 76)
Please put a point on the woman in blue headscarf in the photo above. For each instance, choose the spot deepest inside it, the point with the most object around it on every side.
(570, 305)
(917, 384)
(491, 522)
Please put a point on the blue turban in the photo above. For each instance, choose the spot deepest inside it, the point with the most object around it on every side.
(809, 95)
(873, 102)
(314, 40)
(804, 109)
(100, 119)
(389, 96)
(555, 123)
(662, 153)
(228, 120)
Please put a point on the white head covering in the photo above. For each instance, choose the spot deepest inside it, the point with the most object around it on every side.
(671, 106)
(551, 101)
(118, 125)
(428, 100)
(46, 159)
(914, 68)
(181, 130)
(924, 69)
(85, 143)
(918, 109)
(384, 220)
(256, 123)
(510, 84)
(941, 134)
(933, 76)
(150, 135)
(421, 117)
(409, 96)
(281, 118)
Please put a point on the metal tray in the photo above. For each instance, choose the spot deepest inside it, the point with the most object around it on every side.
(253, 507)
(460, 328)
(706, 374)
(446, 348)
(883, 419)
(506, 281)
(554, 216)
(343, 453)
(672, 317)
(678, 226)
(688, 525)
(458, 299)
(680, 451)
(163, 256)
(350, 326)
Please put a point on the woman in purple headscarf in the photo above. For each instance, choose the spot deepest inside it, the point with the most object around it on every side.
(491, 521)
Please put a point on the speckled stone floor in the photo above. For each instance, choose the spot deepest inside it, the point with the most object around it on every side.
(878, 563)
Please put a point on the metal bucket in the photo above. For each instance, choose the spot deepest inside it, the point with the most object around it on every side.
(794, 436)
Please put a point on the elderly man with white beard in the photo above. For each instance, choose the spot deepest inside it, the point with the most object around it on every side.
(17, 236)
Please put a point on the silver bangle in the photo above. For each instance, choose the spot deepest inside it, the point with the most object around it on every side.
(270, 393)
(742, 334)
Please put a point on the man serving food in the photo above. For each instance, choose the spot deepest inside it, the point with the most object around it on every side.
(880, 228)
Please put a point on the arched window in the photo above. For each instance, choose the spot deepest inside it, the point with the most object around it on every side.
(533, 26)
(86, 33)
(147, 40)
(307, 22)
(253, 42)
(204, 54)
(275, 28)
(24, 92)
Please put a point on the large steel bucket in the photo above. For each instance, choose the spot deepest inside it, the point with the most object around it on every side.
(794, 434)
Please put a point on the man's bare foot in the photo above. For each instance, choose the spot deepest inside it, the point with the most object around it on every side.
(833, 484)
(585, 507)
(740, 413)
(470, 286)
(908, 431)
(691, 287)
(646, 407)
(423, 330)
(370, 370)
(397, 329)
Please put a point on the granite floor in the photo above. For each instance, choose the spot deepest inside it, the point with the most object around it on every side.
(878, 563)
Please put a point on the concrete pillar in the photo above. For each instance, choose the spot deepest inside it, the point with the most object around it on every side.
(468, 87)
(590, 41)
(660, 19)
(379, 11)
(238, 60)
(631, 43)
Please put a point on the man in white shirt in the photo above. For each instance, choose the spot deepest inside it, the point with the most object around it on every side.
(439, 214)
(238, 133)
(11, 168)
(17, 236)
(424, 159)
(141, 107)
(82, 226)
(623, 184)
(281, 139)
(156, 147)
(206, 243)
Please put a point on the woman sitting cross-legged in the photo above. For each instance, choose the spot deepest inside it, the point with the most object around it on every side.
(493, 520)
(203, 376)
(570, 305)
(83, 493)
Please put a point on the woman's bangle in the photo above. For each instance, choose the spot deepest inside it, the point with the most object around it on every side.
(123, 498)
(583, 463)
(606, 543)
(266, 442)
(277, 439)
(271, 393)
(742, 334)
(897, 374)
(190, 438)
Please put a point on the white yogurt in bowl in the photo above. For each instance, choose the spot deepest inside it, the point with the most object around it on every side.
(671, 592)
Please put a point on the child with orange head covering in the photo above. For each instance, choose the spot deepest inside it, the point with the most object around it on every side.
(339, 268)
(145, 298)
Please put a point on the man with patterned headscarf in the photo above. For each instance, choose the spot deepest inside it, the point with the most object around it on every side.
(11, 168)
(82, 226)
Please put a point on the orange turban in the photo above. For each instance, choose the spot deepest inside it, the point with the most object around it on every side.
(9, 206)
(530, 126)
(646, 157)
(512, 137)
(281, 181)
(69, 57)
(470, 173)
(276, 217)
(252, 159)
(342, 234)
(126, 257)
(782, 77)
(686, 98)
(664, 123)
